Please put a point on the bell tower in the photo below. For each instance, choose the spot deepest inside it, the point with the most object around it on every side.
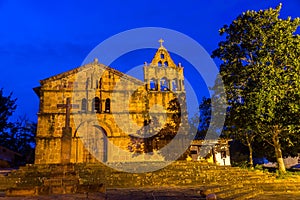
(162, 74)
(166, 102)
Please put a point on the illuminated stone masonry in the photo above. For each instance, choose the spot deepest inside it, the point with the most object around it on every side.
(84, 110)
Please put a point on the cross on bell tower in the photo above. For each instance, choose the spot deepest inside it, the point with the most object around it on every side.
(161, 41)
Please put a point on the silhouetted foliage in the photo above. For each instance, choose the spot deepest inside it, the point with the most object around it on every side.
(17, 136)
(7, 107)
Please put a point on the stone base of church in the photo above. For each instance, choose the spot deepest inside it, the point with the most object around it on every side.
(34, 180)
(46, 179)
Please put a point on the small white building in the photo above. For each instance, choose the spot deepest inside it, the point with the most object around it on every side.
(213, 151)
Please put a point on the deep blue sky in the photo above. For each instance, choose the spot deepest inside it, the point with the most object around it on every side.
(39, 39)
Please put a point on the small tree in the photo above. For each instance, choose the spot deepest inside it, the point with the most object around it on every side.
(7, 107)
(201, 121)
(240, 125)
(261, 74)
(17, 136)
(22, 138)
(157, 137)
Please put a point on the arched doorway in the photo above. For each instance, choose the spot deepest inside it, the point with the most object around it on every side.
(89, 143)
(100, 150)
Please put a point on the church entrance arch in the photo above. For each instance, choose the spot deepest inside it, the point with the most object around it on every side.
(89, 143)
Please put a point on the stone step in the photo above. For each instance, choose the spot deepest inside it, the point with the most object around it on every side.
(246, 195)
(44, 173)
(183, 178)
(60, 185)
(60, 181)
(21, 191)
(219, 189)
(7, 183)
(231, 193)
(56, 186)
(280, 187)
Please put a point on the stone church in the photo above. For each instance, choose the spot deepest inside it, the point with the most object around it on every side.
(96, 113)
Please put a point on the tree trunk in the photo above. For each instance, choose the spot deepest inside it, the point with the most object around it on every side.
(250, 156)
(250, 152)
(214, 155)
(278, 153)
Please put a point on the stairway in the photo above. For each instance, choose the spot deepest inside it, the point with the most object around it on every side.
(224, 181)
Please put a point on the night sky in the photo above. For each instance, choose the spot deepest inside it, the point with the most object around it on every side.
(39, 39)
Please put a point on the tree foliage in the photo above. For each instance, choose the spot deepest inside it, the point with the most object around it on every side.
(22, 138)
(201, 121)
(17, 136)
(261, 73)
(153, 135)
(7, 107)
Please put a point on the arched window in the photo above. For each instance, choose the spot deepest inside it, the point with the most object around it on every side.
(166, 63)
(83, 105)
(175, 85)
(162, 56)
(153, 84)
(159, 63)
(107, 105)
(164, 84)
(96, 105)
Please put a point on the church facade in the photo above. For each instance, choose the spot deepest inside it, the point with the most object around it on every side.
(96, 113)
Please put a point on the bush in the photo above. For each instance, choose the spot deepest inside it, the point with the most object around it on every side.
(241, 164)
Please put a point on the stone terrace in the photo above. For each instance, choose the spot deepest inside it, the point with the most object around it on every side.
(182, 180)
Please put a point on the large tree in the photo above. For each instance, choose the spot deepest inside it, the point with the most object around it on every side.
(261, 73)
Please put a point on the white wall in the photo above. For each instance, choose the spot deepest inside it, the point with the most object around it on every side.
(221, 160)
